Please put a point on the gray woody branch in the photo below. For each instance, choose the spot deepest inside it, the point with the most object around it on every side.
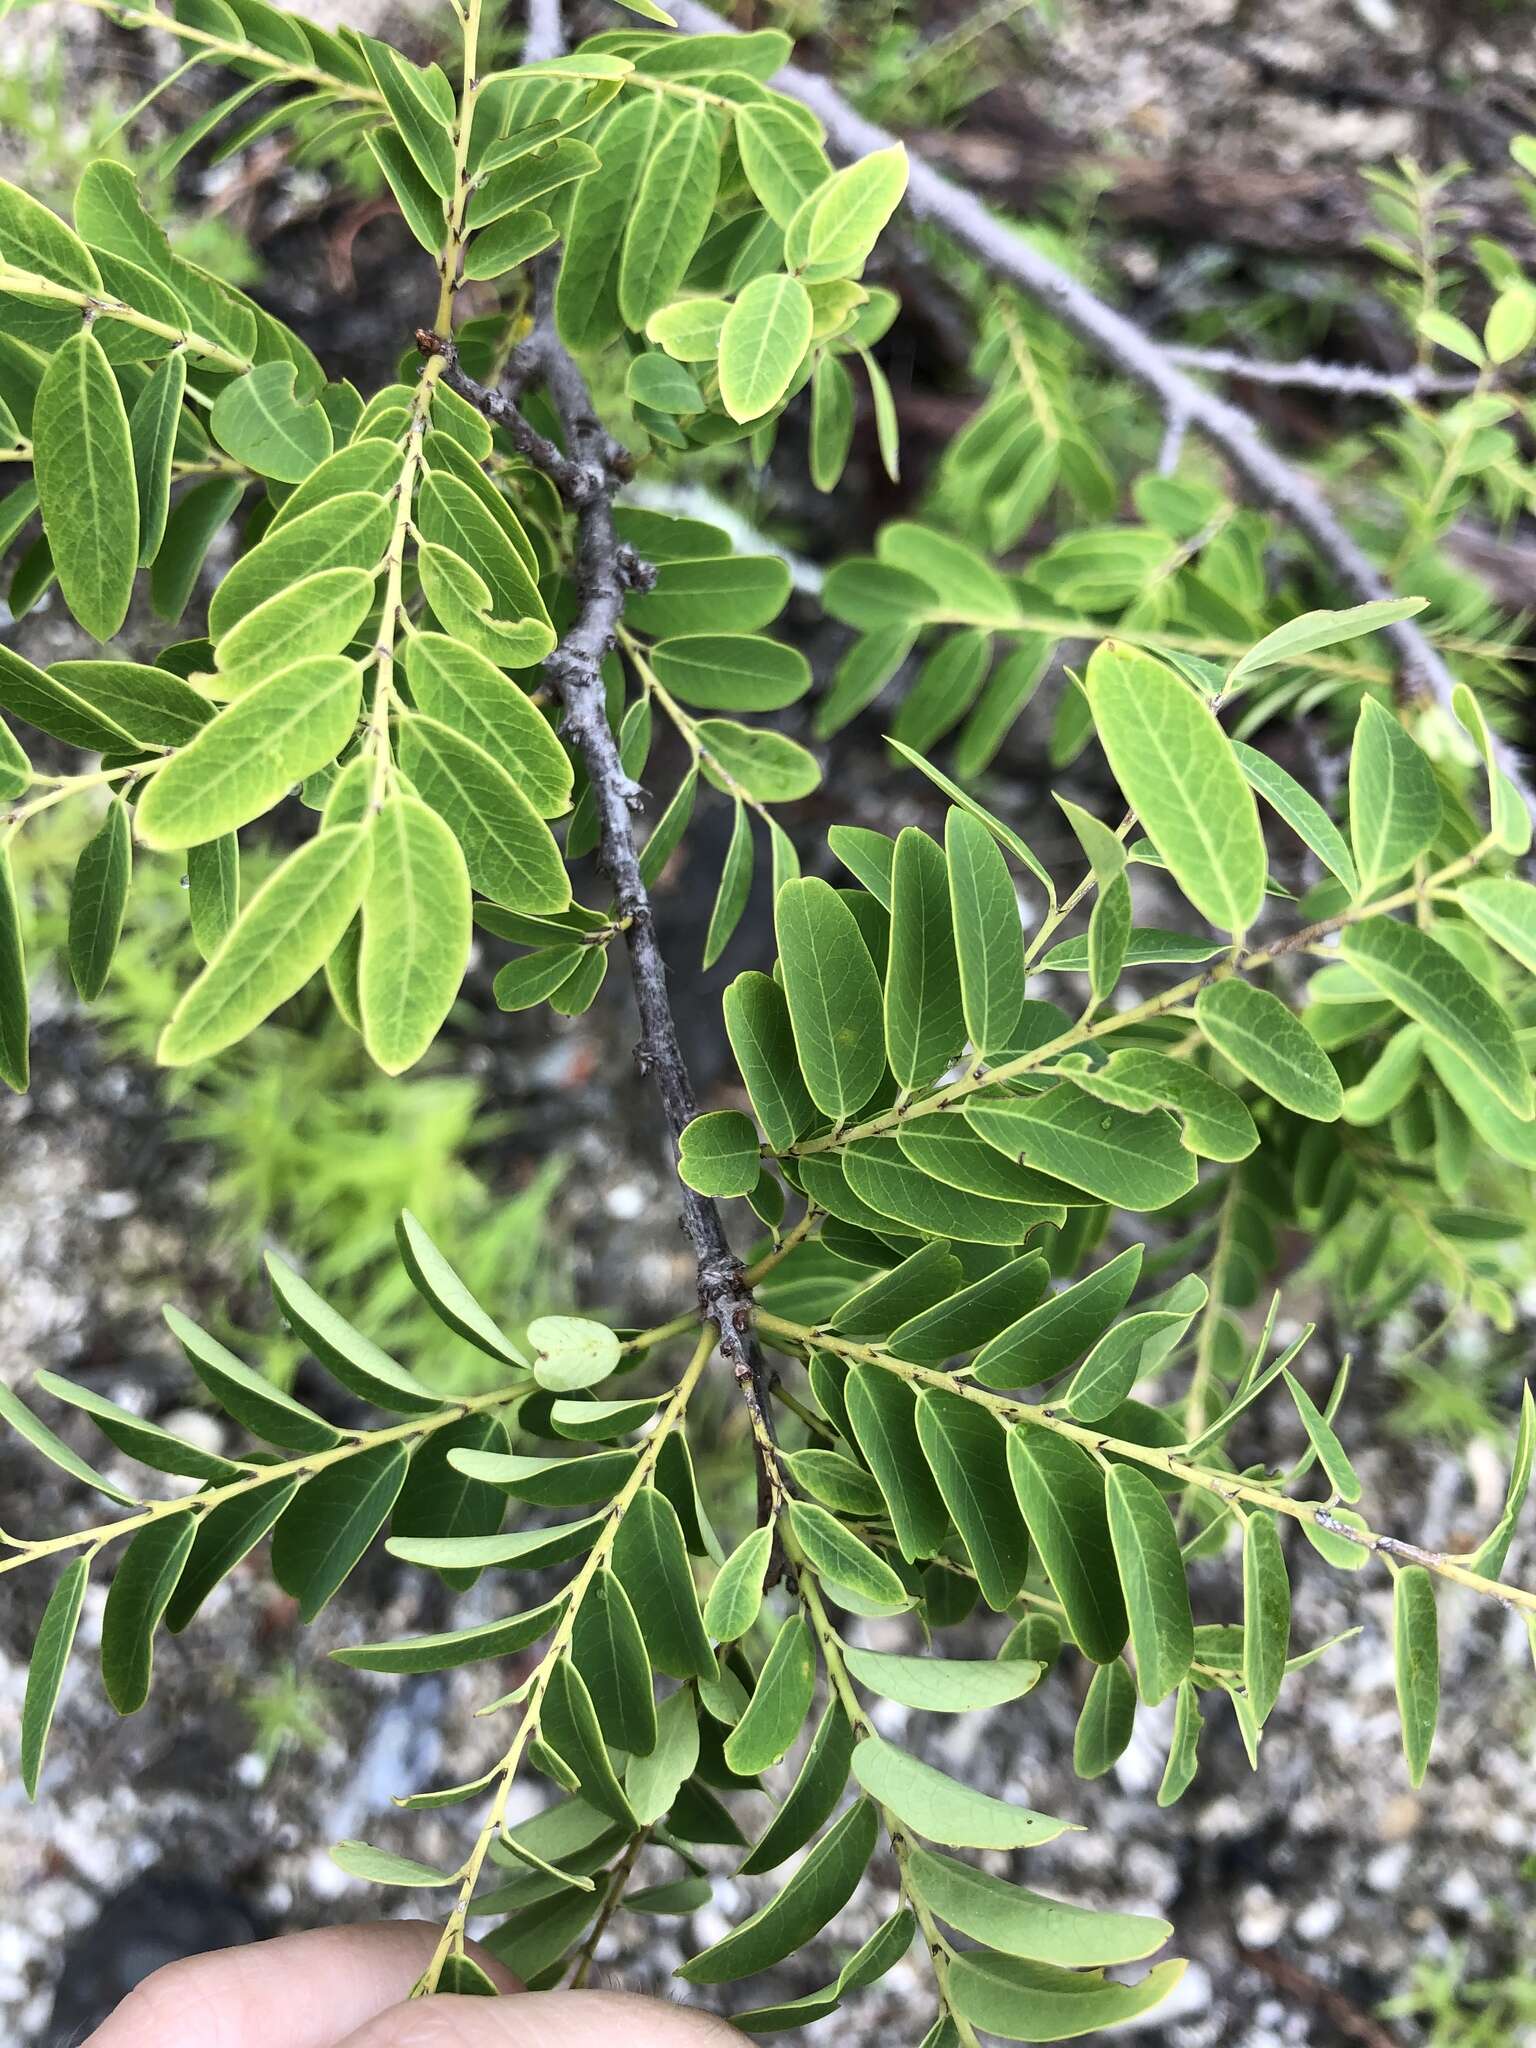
(588, 474)
(1269, 478)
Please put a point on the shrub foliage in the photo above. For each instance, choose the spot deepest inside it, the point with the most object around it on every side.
(976, 1384)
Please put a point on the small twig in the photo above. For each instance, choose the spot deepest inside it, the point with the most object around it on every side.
(1269, 478)
(1307, 1990)
(606, 571)
(1346, 380)
(612, 1900)
(1175, 428)
(575, 481)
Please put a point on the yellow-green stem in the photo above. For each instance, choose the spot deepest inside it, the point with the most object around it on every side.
(451, 1941)
(951, 1092)
(1235, 1492)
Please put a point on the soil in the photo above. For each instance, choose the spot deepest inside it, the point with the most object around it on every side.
(1305, 1894)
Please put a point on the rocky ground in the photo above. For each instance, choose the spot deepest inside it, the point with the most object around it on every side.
(1304, 1895)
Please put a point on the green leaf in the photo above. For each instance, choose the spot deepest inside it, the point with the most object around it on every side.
(942, 1685)
(735, 888)
(727, 593)
(447, 1651)
(141, 1588)
(152, 428)
(832, 418)
(1506, 910)
(943, 1810)
(509, 850)
(83, 465)
(1182, 778)
(141, 1439)
(609, 1652)
(445, 1495)
(548, 1482)
(325, 1529)
(879, 1955)
(1490, 1554)
(731, 671)
(737, 1594)
(854, 1574)
(860, 676)
(1216, 1123)
(650, 1557)
(445, 1293)
(317, 615)
(1416, 1650)
(225, 1534)
(820, 1888)
(815, 1792)
(587, 297)
(925, 1024)
(833, 995)
(45, 1671)
(1105, 1725)
(531, 175)
(1126, 1353)
(97, 899)
(967, 1451)
(762, 344)
(1508, 816)
(1022, 2001)
(13, 985)
(747, 760)
(259, 421)
(1022, 1923)
(509, 244)
(671, 210)
(836, 228)
(945, 689)
(988, 938)
(425, 130)
(1394, 800)
(195, 520)
(718, 1153)
(384, 1866)
(1312, 630)
(523, 1548)
(570, 1353)
(654, 1779)
(690, 330)
(784, 164)
(286, 931)
(1427, 981)
(1179, 1772)
(1057, 1333)
(1301, 811)
(1135, 1162)
(362, 1368)
(779, 1704)
(32, 237)
(15, 768)
(1152, 1577)
(1266, 1615)
(1060, 1491)
(416, 932)
(252, 753)
(932, 1273)
(1267, 1042)
(882, 1411)
(250, 1397)
(347, 532)
(1331, 1454)
(153, 706)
